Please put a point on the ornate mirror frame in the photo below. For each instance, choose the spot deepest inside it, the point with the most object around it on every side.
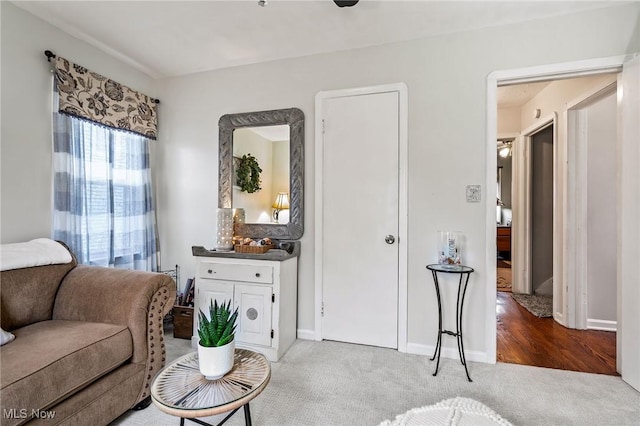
(294, 117)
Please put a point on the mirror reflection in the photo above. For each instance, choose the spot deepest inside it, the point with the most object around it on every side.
(503, 209)
(267, 148)
(276, 209)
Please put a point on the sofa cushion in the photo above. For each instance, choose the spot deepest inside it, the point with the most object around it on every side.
(28, 294)
(51, 360)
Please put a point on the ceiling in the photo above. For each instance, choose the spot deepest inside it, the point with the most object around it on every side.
(173, 38)
(519, 94)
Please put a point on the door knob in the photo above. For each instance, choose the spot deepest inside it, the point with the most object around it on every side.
(389, 239)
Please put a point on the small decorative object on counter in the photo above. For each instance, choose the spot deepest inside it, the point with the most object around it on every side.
(238, 216)
(254, 246)
(449, 247)
(224, 237)
(238, 220)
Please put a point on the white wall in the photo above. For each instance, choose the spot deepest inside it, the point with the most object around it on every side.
(26, 140)
(554, 97)
(601, 206)
(446, 77)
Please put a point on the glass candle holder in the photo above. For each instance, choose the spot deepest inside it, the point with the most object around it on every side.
(238, 216)
(224, 237)
(449, 247)
(238, 220)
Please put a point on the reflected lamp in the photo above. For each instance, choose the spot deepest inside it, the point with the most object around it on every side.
(281, 203)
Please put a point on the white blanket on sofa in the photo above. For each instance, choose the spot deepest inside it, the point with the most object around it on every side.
(38, 252)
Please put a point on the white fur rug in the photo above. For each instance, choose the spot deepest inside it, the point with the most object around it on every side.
(451, 412)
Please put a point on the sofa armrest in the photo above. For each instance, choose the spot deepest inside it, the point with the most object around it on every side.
(136, 299)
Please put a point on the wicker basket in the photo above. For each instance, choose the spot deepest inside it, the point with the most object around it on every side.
(253, 249)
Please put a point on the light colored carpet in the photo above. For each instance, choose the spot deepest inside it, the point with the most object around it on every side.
(334, 384)
(539, 305)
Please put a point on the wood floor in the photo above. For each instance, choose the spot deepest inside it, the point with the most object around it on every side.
(526, 339)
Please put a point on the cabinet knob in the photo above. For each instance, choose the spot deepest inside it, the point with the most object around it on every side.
(209, 271)
(258, 274)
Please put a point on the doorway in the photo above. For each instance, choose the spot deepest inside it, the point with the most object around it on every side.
(361, 282)
(536, 218)
(542, 211)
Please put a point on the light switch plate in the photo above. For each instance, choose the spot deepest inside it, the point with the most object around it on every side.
(474, 193)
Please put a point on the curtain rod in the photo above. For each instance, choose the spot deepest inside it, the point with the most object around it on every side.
(50, 55)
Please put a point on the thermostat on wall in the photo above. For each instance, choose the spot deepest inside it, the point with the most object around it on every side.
(473, 194)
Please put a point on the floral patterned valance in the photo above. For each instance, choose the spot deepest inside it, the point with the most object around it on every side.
(91, 96)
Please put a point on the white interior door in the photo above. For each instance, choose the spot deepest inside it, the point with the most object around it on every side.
(360, 219)
(629, 225)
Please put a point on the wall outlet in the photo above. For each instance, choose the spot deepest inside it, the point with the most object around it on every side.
(474, 193)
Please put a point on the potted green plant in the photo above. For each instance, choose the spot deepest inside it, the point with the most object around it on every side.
(216, 345)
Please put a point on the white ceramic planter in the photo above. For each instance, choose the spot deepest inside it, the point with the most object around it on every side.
(217, 361)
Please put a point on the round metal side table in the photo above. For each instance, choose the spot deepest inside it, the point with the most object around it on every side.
(465, 273)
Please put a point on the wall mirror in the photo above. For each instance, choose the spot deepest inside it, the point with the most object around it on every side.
(275, 139)
(504, 175)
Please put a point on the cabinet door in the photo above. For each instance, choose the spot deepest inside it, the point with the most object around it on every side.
(254, 314)
(206, 291)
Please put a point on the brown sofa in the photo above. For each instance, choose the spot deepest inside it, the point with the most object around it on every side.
(88, 342)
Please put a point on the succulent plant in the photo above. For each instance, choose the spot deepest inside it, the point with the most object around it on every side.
(219, 328)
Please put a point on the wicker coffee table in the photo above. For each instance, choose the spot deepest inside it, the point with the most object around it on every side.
(181, 390)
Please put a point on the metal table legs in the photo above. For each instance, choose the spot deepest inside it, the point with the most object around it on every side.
(247, 418)
(462, 290)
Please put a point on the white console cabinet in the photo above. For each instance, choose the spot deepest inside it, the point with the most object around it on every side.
(265, 293)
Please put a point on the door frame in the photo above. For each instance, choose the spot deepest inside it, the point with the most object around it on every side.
(522, 203)
(577, 235)
(518, 76)
(403, 180)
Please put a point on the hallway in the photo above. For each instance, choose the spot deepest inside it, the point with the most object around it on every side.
(523, 338)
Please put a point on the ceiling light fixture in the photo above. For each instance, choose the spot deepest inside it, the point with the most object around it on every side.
(345, 3)
(504, 148)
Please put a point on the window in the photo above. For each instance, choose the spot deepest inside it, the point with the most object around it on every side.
(103, 204)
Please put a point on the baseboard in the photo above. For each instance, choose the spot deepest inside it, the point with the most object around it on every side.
(306, 334)
(603, 325)
(420, 349)
(447, 352)
(559, 318)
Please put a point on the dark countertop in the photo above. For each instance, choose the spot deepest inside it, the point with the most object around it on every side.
(273, 254)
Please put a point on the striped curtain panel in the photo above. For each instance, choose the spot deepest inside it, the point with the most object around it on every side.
(103, 204)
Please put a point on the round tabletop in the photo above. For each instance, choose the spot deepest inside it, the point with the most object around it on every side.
(181, 390)
(451, 269)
